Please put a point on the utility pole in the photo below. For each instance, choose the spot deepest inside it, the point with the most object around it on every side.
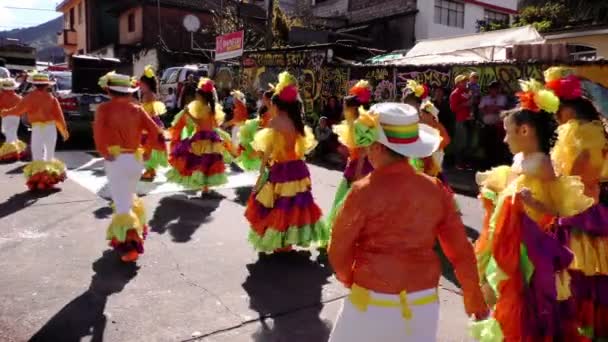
(269, 20)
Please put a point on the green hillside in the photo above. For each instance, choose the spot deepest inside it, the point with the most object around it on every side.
(43, 37)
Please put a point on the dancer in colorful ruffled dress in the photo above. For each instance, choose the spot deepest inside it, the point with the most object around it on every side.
(46, 117)
(357, 166)
(154, 108)
(118, 129)
(197, 144)
(581, 150)
(239, 117)
(281, 211)
(415, 93)
(432, 166)
(522, 265)
(13, 149)
(249, 159)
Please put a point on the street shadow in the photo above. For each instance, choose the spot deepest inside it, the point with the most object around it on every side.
(471, 233)
(285, 290)
(23, 200)
(103, 212)
(182, 216)
(84, 316)
(243, 194)
(16, 171)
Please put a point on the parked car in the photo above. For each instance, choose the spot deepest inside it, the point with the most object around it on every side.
(174, 78)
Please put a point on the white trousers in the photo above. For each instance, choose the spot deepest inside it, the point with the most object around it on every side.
(44, 139)
(235, 137)
(380, 324)
(123, 174)
(10, 125)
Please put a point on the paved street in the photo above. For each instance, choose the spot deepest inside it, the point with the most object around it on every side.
(198, 280)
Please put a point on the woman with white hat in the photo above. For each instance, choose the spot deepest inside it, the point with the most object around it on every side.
(44, 113)
(118, 129)
(13, 149)
(390, 267)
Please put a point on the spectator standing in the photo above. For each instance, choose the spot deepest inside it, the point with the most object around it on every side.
(493, 131)
(460, 104)
(333, 111)
(323, 133)
(188, 92)
(171, 100)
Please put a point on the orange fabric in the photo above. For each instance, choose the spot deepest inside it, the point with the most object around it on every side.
(40, 106)
(445, 136)
(180, 165)
(8, 99)
(121, 122)
(482, 243)
(506, 250)
(240, 114)
(280, 220)
(385, 243)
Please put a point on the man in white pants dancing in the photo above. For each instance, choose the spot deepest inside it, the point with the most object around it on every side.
(44, 113)
(382, 245)
(118, 128)
(13, 149)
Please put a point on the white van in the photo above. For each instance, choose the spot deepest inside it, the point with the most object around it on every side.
(173, 78)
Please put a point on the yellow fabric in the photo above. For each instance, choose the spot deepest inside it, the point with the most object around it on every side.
(562, 283)
(574, 137)
(362, 299)
(345, 132)
(495, 180)
(55, 167)
(271, 141)
(116, 150)
(201, 111)
(154, 108)
(42, 124)
(270, 191)
(206, 147)
(10, 148)
(139, 210)
(590, 254)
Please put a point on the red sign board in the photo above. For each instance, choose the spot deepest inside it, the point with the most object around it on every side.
(229, 45)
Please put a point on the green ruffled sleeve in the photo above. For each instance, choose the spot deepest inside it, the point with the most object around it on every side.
(365, 135)
(247, 132)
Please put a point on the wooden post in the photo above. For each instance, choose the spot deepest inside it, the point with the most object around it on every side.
(269, 21)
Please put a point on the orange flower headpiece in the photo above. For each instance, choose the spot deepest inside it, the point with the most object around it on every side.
(534, 97)
(564, 83)
(287, 88)
(206, 85)
(362, 91)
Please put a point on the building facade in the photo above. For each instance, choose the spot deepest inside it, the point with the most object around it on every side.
(584, 42)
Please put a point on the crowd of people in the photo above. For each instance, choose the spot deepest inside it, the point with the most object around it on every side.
(537, 273)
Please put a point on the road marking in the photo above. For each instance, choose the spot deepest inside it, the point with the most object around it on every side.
(91, 176)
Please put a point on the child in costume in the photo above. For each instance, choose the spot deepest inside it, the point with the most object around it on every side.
(154, 108)
(432, 166)
(281, 211)
(46, 117)
(248, 159)
(357, 166)
(415, 93)
(521, 263)
(391, 268)
(13, 149)
(197, 144)
(581, 150)
(118, 129)
(240, 115)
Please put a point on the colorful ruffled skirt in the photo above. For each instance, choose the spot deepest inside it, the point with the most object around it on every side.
(344, 188)
(43, 175)
(248, 159)
(127, 232)
(12, 152)
(198, 161)
(283, 213)
(158, 156)
(586, 235)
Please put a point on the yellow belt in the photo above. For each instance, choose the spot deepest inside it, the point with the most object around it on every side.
(361, 299)
(116, 150)
(42, 123)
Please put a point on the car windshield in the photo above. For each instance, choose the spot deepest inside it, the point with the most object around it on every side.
(64, 82)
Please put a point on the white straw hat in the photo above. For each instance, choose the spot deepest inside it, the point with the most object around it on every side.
(8, 84)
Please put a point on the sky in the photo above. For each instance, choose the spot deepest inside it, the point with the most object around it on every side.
(12, 18)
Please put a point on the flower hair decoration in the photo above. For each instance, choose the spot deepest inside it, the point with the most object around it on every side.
(366, 128)
(564, 83)
(105, 79)
(534, 97)
(429, 107)
(149, 71)
(287, 88)
(421, 91)
(206, 85)
(362, 90)
(238, 95)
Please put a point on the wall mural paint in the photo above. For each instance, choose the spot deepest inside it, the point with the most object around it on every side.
(319, 81)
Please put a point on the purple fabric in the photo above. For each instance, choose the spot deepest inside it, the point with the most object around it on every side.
(204, 162)
(590, 288)
(205, 135)
(301, 200)
(158, 122)
(290, 171)
(351, 168)
(593, 221)
(542, 315)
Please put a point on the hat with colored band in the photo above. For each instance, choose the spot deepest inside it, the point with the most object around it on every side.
(8, 84)
(118, 83)
(41, 79)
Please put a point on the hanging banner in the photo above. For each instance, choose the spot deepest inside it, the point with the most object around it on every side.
(229, 45)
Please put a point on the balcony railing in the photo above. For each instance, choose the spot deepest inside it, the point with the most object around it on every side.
(67, 38)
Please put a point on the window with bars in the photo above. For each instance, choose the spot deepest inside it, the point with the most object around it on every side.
(496, 17)
(449, 13)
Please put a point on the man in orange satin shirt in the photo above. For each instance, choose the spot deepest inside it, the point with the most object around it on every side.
(382, 245)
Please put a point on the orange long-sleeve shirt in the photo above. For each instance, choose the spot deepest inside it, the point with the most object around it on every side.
(445, 137)
(8, 99)
(121, 122)
(40, 106)
(387, 247)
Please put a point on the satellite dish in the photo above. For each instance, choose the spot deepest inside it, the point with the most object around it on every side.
(192, 23)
